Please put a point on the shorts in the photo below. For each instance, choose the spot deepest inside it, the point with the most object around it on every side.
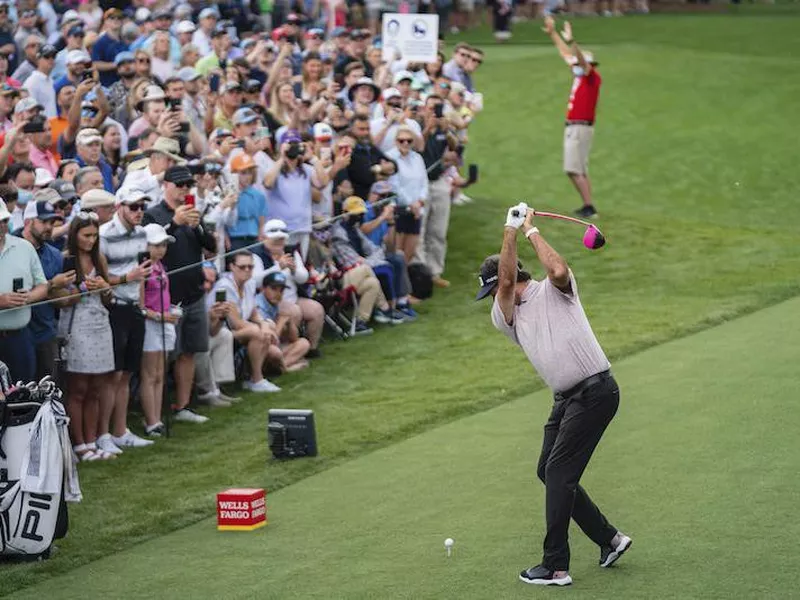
(407, 223)
(577, 145)
(154, 341)
(127, 330)
(192, 329)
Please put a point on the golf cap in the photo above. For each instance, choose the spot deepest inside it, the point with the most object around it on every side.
(232, 86)
(169, 147)
(47, 51)
(97, 199)
(390, 93)
(275, 229)
(162, 13)
(186, 27)
(43, 177)
(359, 34)
(489, 275)
(156, 234)
(88, 136)
(220, 132)
(4, 214)
(27, 104)
(70, 16)
(178, 175)
(208, 13)
(65, 189)
(403, 76)
(189, 74)
(77, 57)
(339, 32)
(218, 31)
(244, 116)
(41, 209)
(323, 132)
(275, 279)
(46, 195)
(291, 136)
(76, 31)
(354, 206)
(242, 162)
(124, 57)
(142, 14)
(131, 196)
(251, 86)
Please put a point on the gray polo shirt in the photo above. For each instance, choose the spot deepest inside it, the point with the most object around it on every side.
(121, 247)
(18, 258)
(553, 331)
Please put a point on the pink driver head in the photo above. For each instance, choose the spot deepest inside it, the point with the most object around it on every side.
(593, 239)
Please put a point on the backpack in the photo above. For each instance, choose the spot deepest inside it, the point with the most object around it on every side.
(421, 280)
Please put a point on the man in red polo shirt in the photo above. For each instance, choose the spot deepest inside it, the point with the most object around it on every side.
(581, 109)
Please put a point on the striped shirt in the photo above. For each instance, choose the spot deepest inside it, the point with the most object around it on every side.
(121, 247)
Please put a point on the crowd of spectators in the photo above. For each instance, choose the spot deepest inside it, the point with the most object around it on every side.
(197, 183)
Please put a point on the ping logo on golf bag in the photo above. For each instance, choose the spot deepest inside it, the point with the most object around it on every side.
(30, 526)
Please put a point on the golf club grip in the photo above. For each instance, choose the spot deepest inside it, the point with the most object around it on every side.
(536, 213)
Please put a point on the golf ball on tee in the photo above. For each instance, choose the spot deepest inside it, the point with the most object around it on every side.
(448, 543)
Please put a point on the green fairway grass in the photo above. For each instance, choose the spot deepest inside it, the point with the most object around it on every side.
(697, 467)
(691, 106)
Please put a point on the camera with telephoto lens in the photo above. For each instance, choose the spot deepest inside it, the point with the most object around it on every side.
(295, 150)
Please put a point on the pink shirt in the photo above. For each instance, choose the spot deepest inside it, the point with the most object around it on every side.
(43, 159)
(154, 296)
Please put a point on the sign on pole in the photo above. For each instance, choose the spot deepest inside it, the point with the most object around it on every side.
(415, 36)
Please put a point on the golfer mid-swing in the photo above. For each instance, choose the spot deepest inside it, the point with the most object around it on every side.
(546, 319)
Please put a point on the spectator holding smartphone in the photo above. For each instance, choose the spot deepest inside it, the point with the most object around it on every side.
(251, 206)
(159, 327)
(410, 184)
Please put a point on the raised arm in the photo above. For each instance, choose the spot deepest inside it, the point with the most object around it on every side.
(556, 267)
(507, 271)
(562, 46)
(576, 56)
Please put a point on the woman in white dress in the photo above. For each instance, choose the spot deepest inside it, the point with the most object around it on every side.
(84, 324)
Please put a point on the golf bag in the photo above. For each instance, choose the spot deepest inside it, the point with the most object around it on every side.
(37, 472)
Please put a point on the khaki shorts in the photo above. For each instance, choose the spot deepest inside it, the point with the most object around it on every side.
(577, 145)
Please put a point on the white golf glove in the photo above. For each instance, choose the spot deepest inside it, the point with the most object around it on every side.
(517, 220)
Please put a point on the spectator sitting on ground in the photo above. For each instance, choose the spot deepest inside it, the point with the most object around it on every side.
(274, 255)
(237, 289)
(271, 308)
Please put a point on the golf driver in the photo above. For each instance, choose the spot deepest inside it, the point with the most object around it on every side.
(593, 238)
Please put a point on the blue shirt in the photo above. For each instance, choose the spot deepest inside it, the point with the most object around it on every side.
(43, 317)
(106, 49)
(105, 169)
(265, 309)
(251, 205)
(376, 235)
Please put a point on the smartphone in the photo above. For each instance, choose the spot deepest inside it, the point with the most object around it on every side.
(17, 284)
(143, 256)
(183, 127)
(188, 200)
(325, 153)
(221, 296)
(69, 264)
(438, 111)
(213, 83)
(87, 74)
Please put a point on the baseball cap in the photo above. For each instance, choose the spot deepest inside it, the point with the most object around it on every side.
(47, 194)
(8, 90)
(88, 136)
(75, 57)
(339, 32)
(4, 214)
(65, 189)
(315, 32)
(232, 86)
(323, 132)
(488, 277)
(391, 93)
(76, 30)
(354, 206)
(188, 74)
(96, 199)
(41, 209)
(131, 196)
(123, 57)
(218, 31)
(179, 174)
(185, 27)
(275, 279)
(251, 86)
(403, 76)
(43, 177)
(208, 13)
(242, 162)
(359, 34)
(70, 16)
(220, 132)
(291, 135)
(142, 14)
(276, 229)
(156, 234)
(243, 116)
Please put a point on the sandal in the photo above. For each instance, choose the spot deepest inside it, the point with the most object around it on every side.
(99, 453)
(84, 453)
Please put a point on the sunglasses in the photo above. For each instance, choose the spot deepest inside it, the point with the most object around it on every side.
(244, 267)
(136, 207)
(184, 184)
(88, 216)
(143, 60)
(63, 205)
(404, 141)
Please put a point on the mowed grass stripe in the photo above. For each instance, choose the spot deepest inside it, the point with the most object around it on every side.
(695, 467)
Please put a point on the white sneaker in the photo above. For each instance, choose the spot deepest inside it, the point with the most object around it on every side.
(109, 444)
(261, 386)
(187, 415)
(131, 440)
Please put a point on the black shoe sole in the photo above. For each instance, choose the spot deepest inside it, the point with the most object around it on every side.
(616, 555)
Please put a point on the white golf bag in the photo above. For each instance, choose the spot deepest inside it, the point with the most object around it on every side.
(35, 474)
